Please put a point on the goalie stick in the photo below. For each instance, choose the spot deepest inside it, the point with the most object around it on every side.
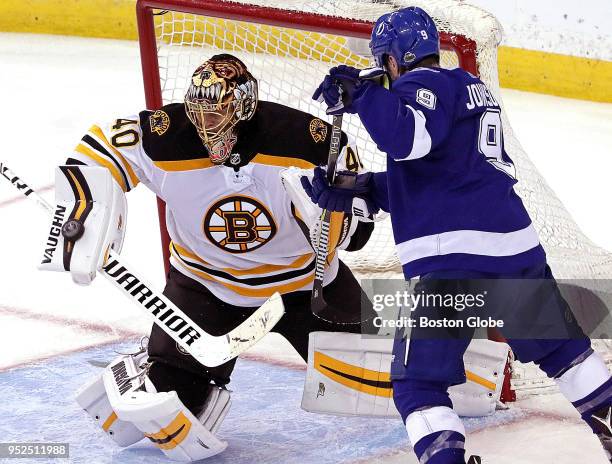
(317, 302)
(207, 349)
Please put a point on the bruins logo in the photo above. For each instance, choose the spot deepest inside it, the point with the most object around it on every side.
(318, 130)
(238, 224)
(159, 122)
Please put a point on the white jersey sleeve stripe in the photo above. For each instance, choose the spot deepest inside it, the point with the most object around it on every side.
(95, 147)
(421, 146)
(98, 148)
(97, 134)
(471, 242)
(101, 160)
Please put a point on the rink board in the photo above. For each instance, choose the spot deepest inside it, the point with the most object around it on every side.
(265, 424)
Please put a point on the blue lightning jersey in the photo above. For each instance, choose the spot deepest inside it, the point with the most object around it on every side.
(449, 184)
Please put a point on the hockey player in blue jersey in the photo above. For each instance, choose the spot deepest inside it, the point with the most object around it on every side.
(455, 216)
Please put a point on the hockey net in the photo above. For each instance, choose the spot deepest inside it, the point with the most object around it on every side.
(289, 45)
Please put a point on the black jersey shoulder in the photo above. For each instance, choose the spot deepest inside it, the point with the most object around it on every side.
(275, 130)
(280, 131)
(168, 135)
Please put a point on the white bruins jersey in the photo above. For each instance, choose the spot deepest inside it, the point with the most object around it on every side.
(233, 227)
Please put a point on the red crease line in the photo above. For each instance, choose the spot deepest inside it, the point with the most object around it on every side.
(18, 198)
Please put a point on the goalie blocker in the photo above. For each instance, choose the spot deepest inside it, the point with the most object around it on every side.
(88, 221)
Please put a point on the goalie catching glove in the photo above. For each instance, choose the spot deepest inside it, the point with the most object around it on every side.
(89, 220)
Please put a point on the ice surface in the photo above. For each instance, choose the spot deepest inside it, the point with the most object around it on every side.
(53, 88)
(265, 423)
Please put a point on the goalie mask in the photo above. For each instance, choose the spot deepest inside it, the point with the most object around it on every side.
(222, 93)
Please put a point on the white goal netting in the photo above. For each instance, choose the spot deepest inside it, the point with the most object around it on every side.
(289, 63)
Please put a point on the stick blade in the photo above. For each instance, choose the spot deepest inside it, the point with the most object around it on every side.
(219, 350)
(317, 302)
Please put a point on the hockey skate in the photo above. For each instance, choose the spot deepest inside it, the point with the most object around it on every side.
(602, 424)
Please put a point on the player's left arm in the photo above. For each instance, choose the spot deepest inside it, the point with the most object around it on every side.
(116, 146)
(410, 121)
(91, 208)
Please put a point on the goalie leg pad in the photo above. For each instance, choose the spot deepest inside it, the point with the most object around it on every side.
(165, 420)
(484, 362)
(93, 399)
(348, 374)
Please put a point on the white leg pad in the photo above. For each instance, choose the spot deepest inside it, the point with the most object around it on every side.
(165, 420)
(348, 374)
(484, 363)
(93, 399)
(167, 423)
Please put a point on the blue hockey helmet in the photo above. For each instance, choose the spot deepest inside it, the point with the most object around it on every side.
(409, 35)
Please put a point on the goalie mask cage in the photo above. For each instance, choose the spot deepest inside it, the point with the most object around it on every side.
(289, 45)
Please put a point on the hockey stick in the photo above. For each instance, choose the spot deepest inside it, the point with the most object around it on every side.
(209, 350)
(317, 302)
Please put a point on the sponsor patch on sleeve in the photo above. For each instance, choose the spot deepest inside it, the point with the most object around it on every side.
(426, 98)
